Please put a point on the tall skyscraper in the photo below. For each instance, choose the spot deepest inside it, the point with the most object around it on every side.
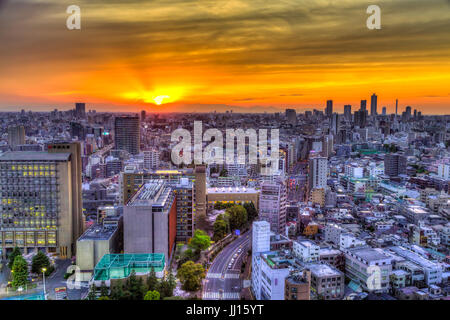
(396, 106)
(384, 111)
(317, 171)
(127, 134)
(360, 118)
(80, 109)
(273, 205)
(16, 136)
(329, 109)
(363, 105)
(348, 112)
(36, 202)
(143, 115)
(335, 123)
(291, 117)
(373, 105)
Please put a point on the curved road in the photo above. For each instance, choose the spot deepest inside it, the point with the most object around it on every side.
(222, 283)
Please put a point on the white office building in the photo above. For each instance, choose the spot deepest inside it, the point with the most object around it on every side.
(307, 251)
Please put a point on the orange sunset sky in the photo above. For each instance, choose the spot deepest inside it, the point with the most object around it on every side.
(205, 55)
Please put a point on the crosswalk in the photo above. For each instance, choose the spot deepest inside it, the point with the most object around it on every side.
(218, 296)
(219, 275)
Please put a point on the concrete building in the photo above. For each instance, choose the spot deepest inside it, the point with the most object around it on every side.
(260, 244)
(431, 270)
(76, 169)
(237, 195)
(151, 159)
(127, 134)
(326, 281)
(150, 219)
(16, 136)
(94, 243)
(297, 286)
(370, 268)
(317, 171)
(394, 164)
(36, 202)
(272, 205)
(305, 250)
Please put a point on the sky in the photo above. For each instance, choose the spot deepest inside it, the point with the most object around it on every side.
(216, 55)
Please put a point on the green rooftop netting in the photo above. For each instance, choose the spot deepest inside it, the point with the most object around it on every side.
(119, 266)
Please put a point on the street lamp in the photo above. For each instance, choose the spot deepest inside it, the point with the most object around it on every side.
(43, 276)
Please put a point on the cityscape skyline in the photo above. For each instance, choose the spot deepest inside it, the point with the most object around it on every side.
(171, 56)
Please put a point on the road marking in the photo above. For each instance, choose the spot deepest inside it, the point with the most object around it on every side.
(219, 275)
(216, 296)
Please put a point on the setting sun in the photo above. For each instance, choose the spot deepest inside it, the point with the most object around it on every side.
(159, 99)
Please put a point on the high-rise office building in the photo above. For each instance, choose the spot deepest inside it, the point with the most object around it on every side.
(327, 145)
(348, 112)
(394, 164)
(396, 106)
(384, 111)
(80, 110)
(329, 109)
(335, 123)
(36, 202)
(317, 171)
(143, 115)
(74, 148)
(363, 105)
(360, 118)
(373, 105)
(127, 134)
(291, 117)
(16, 136)
(273, 205)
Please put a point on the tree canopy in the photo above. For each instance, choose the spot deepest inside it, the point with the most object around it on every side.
(12, 256)
(152, 295)
(40, 261)
(191, 275)
(200, 240)
(19, 272)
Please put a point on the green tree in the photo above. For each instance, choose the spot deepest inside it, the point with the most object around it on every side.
(223, 173)
(237, 216)
(134, 287)
(152, 295)
(103, 298)
(92, 295)
(252, 213)
(200, 240)
(191, 275)
(40, 261)
(104, 292)
(152, 280)
(220, 228)
(19, 272)
(167, 285)
(12, 256)
(117, 292)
